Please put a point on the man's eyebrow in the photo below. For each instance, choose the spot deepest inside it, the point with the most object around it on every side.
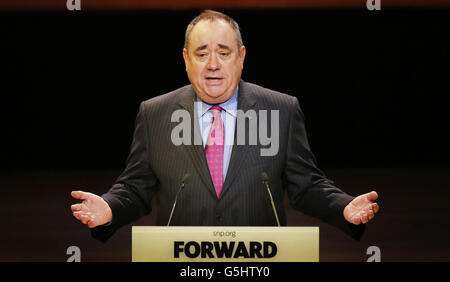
(222, 46)
(203, 47)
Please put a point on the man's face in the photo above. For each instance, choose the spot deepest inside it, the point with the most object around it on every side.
(213, 61)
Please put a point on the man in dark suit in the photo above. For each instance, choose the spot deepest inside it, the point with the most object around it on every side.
(213, 164)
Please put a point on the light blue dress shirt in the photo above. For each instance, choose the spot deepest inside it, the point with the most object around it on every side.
(228, 115)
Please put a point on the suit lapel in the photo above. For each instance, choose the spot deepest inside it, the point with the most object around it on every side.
(196, 152)
(246, 101)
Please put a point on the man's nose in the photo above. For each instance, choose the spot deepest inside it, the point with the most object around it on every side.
(213, 63)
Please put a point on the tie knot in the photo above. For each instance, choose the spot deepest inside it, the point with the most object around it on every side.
(215, 110)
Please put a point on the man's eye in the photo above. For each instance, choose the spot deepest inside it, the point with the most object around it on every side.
(201, 55)
(224, 54)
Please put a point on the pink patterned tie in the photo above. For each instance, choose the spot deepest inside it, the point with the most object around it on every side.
(214, 149)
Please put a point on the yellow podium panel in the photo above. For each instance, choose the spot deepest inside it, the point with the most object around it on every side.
(224, 244)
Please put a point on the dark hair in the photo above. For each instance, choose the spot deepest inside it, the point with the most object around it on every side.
(210, 15)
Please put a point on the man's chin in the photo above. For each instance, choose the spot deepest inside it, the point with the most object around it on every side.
(214, 90)
(213, 99)
(217, 95)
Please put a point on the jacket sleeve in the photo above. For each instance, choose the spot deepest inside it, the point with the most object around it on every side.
(308, 189)
(131, 196)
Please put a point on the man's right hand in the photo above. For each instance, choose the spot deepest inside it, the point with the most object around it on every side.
(93, 211)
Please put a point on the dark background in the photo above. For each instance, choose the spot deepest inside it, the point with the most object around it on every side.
(374, 87)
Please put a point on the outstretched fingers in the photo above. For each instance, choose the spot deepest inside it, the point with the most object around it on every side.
(372, 196)
(81, 216)
(79, 195)
(364, 218)
(78, 207)
(375, 207)
(356, 220)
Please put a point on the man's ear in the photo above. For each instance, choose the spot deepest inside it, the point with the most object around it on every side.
(242, 52)
(185, 57)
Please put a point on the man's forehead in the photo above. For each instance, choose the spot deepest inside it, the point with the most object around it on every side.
(206, 31)
(212, 24)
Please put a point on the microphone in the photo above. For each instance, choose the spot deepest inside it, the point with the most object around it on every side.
(265, 180)
(183, 183)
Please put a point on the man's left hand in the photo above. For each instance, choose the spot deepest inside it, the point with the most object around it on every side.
(362, 208)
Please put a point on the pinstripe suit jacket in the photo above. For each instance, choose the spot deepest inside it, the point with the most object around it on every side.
(155, 169)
